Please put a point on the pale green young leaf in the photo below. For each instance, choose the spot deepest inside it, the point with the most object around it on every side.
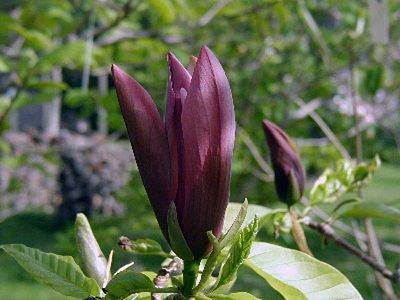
(297, 276)
(59, 272)
(239, 251)
(252, 210)
(236, 224)
(91, 258)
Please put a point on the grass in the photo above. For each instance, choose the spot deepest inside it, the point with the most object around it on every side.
(37, 230)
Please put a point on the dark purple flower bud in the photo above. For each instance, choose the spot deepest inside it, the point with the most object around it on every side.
(288, 169)
(187, 160)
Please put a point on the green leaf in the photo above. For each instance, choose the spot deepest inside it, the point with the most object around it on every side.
(59, 272)
(164, 8)
(239, 251)
(127, 283)
(69, 54)
(92, 259)
(143, 247)
(326, 188)
(252, 210)
(372, 210)
(298, 276)
(333, 184)
(234, 296)
(34, 38)
(176, 238)
(237, 223)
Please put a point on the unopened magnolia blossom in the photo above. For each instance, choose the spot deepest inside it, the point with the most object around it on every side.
(186, 159)
(288, 169)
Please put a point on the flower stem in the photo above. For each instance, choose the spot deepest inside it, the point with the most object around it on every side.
(298, 233)
(190, 270)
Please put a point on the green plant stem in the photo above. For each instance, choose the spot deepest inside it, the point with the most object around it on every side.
(298, 233)
(208, 269)
(190, 270)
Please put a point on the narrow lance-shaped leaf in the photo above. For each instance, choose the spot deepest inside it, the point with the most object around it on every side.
(262, 212)
(59, 272)
(237, 223)
(239, 251)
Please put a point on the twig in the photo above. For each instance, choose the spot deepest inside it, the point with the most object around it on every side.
(163, 276)
(124, 34)
(324, 127)
(126, 10)
(373, 244)
(298, 233)
(88, 54)
(327, 230)
(315, 33)
(348, 229)
(255, 153)
(212, 12)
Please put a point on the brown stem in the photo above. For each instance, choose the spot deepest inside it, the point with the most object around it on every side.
(373, 244)
(298, 233)
(327, 230)
(324, 127)
(348, 229)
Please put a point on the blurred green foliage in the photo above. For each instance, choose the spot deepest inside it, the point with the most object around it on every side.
(271, 50)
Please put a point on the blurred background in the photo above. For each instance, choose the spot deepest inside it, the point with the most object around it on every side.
(328, 72)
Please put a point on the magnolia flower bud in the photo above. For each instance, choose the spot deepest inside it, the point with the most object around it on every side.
(187, 159)
(288, 169)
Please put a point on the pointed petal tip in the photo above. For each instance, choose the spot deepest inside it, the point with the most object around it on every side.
(268, 124)
(172, 59)
(205, 51)
(113, 67)
(117, 71)
(204, 48)
(192, 65)
(271, 128)
(170, 56)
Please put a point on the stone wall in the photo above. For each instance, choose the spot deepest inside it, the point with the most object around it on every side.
(67, 174)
